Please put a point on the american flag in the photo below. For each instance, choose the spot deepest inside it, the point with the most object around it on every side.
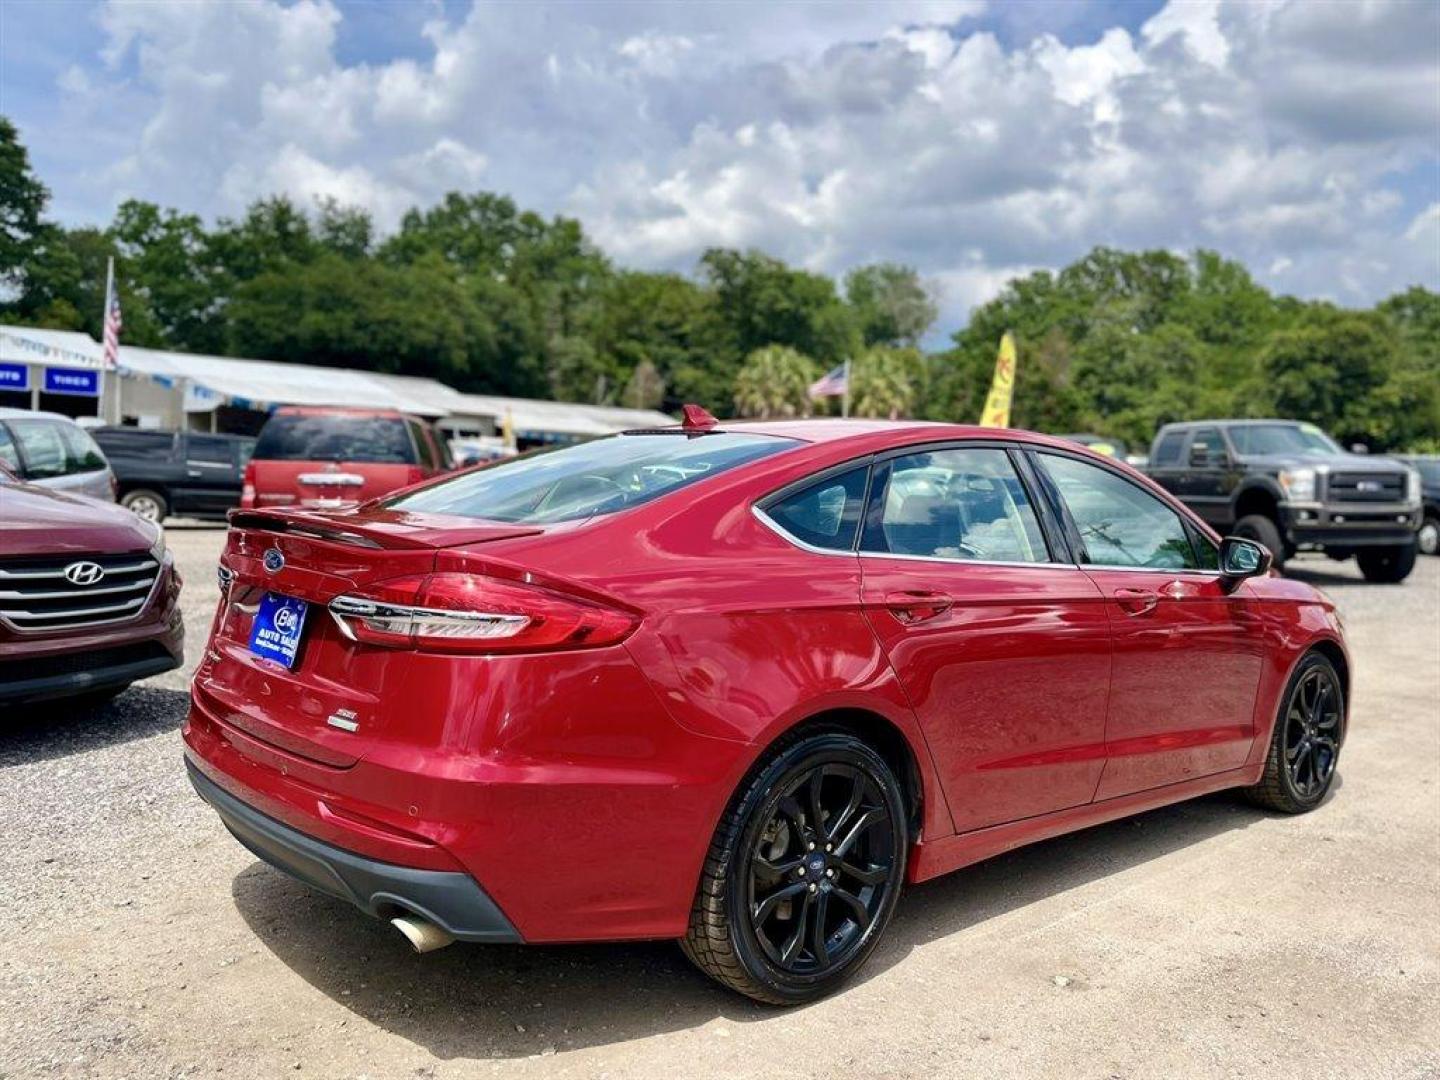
(112, 320)
(834, 383)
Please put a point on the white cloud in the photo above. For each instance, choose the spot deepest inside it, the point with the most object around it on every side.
(1296, 136)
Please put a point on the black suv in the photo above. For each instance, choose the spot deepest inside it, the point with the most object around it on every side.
(1289, 486)
(1428, 466)
(176, 472)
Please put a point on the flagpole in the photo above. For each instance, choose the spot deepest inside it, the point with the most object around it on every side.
(845, 398)
(108, 411)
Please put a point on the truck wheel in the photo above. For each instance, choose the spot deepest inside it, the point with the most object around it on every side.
(1265, 532)
(1387, 564)
(1428, 539)
(146, 504)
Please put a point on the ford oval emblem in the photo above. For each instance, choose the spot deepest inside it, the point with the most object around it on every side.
(274, 560)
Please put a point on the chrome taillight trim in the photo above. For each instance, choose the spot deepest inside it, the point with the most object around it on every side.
(354, 607)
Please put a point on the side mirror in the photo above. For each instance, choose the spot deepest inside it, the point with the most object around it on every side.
(1359, 448)
(1241, 558)
(1199, 457)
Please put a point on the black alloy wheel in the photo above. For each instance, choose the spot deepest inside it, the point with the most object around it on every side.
(1312, 732)
(804, 872)
(1305, 747)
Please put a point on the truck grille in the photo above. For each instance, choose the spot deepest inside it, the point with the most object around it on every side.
(36, 595)
(1367, 487)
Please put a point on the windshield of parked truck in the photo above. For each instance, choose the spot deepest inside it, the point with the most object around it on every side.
(592, 478)
(1259, 440)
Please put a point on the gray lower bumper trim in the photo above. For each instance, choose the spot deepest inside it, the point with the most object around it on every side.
(453, 901)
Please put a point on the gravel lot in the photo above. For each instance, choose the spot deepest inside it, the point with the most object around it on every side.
(1208, 939)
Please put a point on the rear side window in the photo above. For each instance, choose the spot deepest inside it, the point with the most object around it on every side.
(427, 451)
(135, 443)
(962, 504)
(382, 439)
(51, 448)
(826, 514)
(594, 478)
(210, 450)
(1167, 450)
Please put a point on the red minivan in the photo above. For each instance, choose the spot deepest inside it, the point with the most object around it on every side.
(327, 458)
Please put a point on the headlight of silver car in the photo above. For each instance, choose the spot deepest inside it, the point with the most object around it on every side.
(1298, 484)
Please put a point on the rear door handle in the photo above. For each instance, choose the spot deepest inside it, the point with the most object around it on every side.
(917, 606)
(1136, 601)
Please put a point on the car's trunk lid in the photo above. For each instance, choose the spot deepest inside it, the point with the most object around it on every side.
(327, 707)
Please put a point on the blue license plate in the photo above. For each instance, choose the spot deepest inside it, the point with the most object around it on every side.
(275, 634)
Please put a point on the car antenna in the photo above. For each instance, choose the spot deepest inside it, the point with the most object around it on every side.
(697, 419)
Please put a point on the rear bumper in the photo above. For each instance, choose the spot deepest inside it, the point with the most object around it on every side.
(451, 900)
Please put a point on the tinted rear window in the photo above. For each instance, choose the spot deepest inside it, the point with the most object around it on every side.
(582, 481)
(335, 438)
(1167, 450)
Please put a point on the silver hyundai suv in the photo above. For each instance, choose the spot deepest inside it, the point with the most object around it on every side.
(53, 451)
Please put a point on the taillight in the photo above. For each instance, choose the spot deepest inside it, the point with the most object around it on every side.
(472, 613)
(247, 491)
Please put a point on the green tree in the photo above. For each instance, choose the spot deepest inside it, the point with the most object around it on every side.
(22, 206)
(774, 382)
(416, 320)
(891, 304)
(761, 301)
(645, 388)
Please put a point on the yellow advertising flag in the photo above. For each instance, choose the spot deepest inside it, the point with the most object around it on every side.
(1002, 388)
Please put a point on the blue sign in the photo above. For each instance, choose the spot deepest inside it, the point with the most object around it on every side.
(14, 377)
(275, 633)
(64, 380)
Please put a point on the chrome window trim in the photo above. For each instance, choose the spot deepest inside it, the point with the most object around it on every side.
(779, 531)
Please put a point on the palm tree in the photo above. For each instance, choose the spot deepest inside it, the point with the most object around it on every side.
(885, 382)
(774, 381)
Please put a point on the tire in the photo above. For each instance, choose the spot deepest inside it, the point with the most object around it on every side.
(767, 845)
(146, 504)
(1387, 565)
(1305, 745)
(1428, 538)
(1265, 532)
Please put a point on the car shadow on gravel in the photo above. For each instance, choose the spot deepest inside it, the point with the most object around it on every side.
(488, 1002)
(57, 729)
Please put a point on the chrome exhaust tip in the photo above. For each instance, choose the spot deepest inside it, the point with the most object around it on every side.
(423, 935)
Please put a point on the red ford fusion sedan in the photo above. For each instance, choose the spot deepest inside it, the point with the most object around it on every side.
(738, 684)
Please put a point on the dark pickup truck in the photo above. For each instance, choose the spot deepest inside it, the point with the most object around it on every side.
(187, 473)
(1290, 486)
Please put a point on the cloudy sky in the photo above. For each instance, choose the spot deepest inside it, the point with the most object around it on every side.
(974, 140)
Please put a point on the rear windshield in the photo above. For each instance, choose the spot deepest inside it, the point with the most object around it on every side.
(335, 438)
(593, 478)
